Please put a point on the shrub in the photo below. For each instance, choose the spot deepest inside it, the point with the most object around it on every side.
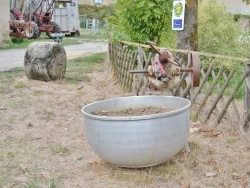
(219, 33)
(140, 20)
(16, 40)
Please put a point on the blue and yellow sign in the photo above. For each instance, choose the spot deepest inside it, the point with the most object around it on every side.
(178, 15)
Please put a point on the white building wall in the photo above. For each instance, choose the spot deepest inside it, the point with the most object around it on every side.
(236, 6)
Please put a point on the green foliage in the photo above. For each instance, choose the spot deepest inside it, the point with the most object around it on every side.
(218, 31)
(140, 20)
(96, 58)
(78, 68)
(96, 12)
(16, 40)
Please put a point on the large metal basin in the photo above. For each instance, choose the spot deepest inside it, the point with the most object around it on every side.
(138, 141)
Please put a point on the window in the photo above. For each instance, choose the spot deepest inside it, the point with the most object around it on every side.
(98, 1)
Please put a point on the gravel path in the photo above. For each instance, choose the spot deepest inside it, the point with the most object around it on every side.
(14, 57)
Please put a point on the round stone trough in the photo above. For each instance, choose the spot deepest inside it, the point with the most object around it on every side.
(137, 141)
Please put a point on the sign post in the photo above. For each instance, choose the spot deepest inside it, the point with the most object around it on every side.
(178, 15)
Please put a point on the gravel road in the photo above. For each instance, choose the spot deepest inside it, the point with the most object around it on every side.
(14, 57)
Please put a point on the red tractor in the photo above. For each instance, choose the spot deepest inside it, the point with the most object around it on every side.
(28, 18)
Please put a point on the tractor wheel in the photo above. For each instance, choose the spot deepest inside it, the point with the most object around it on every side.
(77, 33)
(56, 29)
(32, 32)
(12, 16)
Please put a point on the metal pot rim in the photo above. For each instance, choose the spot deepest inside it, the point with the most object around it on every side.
(132, 118)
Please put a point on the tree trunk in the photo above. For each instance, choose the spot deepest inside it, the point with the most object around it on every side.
(4, 25)
(187, 39)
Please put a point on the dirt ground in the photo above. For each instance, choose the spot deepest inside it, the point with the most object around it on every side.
(43, 143)
(133, 111)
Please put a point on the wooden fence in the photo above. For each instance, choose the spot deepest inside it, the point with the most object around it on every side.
(214, 101)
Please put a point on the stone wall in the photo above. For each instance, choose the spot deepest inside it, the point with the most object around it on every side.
(4, 25)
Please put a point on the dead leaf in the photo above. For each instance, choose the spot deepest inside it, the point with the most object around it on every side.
(214, 134)
(235, 176)
(211, 174)
(244, 182)
(115, 82)
(185, 183)
(194, 130)
(195, 123)
(80, 88)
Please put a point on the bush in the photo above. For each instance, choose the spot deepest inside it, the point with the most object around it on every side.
(16, 40)
(219, 33)
(140, 20)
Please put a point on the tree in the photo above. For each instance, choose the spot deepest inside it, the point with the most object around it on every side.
(142, 20)
(188, 38)
(218, 31)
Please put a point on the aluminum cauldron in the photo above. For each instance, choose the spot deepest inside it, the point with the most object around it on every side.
(138, 141)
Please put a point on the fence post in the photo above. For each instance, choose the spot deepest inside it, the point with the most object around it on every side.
(246, 115)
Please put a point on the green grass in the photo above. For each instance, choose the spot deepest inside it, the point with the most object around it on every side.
(231, 140)
(12, 157)
(78, 68)
(240, 93)
(7, 79)
(19, 85)
(77, 71)
(59, 149)
(228, 66)
(20, 158)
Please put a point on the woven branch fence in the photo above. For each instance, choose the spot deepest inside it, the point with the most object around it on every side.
(214, 101)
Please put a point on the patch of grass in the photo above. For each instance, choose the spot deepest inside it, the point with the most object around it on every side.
(52, 183)
(14, 159)
(169, 170)
(31, 184)
(140, 176)
(85, 36)
(60, 149)
(228, 66)
(12, 120)
(96, 58)
(77, 71)
(37, 181)
(78, 68)
(19, 85)
(231, 140)
(19, 45)
(38, 92)
(234, 82)
(7, 79)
